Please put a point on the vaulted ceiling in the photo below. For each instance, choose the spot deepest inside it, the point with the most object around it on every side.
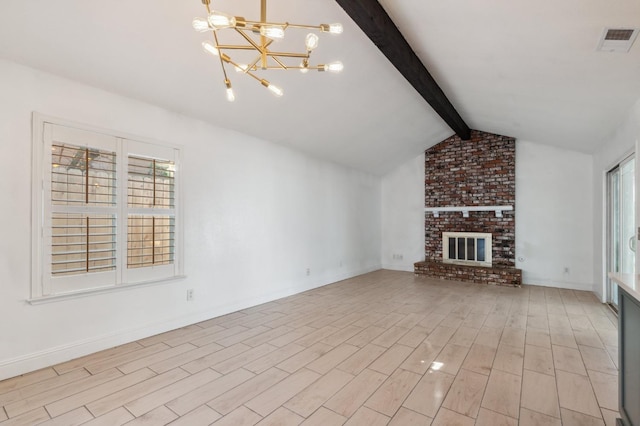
(523, 69)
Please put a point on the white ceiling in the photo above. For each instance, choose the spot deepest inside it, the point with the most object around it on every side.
(523, 69)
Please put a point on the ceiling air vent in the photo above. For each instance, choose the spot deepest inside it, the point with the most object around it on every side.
(617, 39)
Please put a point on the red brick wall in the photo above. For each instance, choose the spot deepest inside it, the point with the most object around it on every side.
(477, 172)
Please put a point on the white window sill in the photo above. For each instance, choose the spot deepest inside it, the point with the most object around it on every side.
(100, 290)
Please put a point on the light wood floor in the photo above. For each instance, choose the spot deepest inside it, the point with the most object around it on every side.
(382, 348)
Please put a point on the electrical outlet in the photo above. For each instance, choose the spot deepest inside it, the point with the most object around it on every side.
(566, 269)
(189, 295)
(308, 271)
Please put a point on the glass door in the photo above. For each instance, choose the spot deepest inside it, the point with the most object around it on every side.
(621, 223)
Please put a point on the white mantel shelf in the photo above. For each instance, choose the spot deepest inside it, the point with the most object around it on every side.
(466, 209)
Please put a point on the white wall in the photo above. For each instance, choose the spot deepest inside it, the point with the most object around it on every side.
(257, 215)
(613, 150)
(554, 217)
(553, 206)
(403, 216)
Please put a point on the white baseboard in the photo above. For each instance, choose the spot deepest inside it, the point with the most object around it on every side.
(398, 267)
(340, 276)
(559, 284)
(52, 356)
(34, 361)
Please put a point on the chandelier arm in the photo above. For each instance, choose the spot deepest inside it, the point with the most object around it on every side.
(263, 10)
(283, 66)
(268, 44)
(288, 54)
(253, 75)
(306, 27)
(255, 45)
(279, 24)
(235, 47)
(228, 60)
(263, 39)
(224, 71)
(298, 67)
(254, 63)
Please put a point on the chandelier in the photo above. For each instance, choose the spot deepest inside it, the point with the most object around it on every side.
(259, 37)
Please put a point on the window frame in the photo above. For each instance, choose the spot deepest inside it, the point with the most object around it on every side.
(45, 287)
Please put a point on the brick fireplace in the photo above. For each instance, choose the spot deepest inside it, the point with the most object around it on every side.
(473, 174)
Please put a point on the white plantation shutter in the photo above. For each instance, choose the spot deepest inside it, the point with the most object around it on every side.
(82, 177)
(79, 210)
(105, 210)
(150, 236)
(151, 212)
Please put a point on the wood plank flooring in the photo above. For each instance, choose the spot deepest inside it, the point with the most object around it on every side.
(385, 348)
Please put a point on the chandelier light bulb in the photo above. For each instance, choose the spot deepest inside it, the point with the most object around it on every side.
(220, 20)
(334, 67)
(200, 25)
(274, 32)
(275, 90)
(230, 95)
(210, 48)
(335, 28)
(311, 41)
(304, 68)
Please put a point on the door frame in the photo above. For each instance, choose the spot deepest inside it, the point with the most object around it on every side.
(605, 216)
(607, 246)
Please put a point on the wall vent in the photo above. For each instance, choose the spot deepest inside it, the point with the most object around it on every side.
(617, 39)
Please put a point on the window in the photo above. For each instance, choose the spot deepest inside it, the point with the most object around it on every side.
(106, 210)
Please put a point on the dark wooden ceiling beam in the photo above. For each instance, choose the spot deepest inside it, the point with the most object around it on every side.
(378, 26)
